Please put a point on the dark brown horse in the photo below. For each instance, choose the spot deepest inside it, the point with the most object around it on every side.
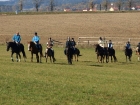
(138, 52)
(76, 54)
(34, 50)
(101, 53)
(128, 54)
(69, 54)
(50, 54)
(112, 55)
(16, 49)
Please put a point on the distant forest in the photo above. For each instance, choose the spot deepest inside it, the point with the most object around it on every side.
(59, 5)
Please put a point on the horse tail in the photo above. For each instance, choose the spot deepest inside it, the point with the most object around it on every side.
(24, 55)
(41, 53)
(78, 52)
(23, 52)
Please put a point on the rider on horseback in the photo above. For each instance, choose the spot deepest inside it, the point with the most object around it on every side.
(16, 38)
(68, 44)
(128, 45)
(110, 46)
(101, 42)
(36, 40)
(73, 43)
(50, 45)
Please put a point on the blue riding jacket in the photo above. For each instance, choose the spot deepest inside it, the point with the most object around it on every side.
(128, 45)
(16, 38)
(36, 39)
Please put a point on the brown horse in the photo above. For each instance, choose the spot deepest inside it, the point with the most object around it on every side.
(102, 53)
(128, 54)
(76, 54)
(34, 50)
(50, 54)
(138, 53)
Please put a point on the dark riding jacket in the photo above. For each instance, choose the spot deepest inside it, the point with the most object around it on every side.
(68, 44)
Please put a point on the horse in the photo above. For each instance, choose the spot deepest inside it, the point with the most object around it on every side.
(34, 50)
(16, 49)
(76, 54)
(69, 54)
(138, 53)
(128, 54)
(112, 55)
(50, 54)
(101, 53)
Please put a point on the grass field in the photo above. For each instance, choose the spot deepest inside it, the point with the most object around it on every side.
(84, 83)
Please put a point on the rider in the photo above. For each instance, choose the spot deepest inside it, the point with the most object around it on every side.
(16, 38)
(110, 45)
(50, 45)
(68, 44)
(101, 42)
(36, 40)
(73, 43)
(128, 45)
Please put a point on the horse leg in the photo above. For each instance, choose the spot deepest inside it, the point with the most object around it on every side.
(12, 57)
(77, 57)
(115, 59)
(37, 57)
(107, 58)
(46, 58)
(40, 57)
(19, 57)
(31, 57)
(111, 59)
(50, 59)
(130, 58)
(138, 56)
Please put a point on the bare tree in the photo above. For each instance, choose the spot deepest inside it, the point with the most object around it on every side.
(37, 3)
(119, 4)
(91, 4)
(130, 3)
(105, 4)
(21, 2)
(52, 5)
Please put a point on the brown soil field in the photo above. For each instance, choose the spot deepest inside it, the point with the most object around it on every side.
(60, 26)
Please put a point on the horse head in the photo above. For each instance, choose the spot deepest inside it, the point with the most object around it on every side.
(9, 44)
(30, 45)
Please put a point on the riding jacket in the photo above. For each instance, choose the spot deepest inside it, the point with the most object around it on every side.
(128, 45)
(16, 38)
(110, 45)
(49, 44)
(68, 44)
(101, 43)
(36, 39)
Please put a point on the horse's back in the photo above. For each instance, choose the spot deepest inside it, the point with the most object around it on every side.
(128, 52)
(49, 52)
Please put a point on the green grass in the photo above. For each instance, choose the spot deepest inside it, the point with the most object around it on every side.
(84, 83)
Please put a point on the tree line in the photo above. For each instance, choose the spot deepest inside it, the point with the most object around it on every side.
(53, 5)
